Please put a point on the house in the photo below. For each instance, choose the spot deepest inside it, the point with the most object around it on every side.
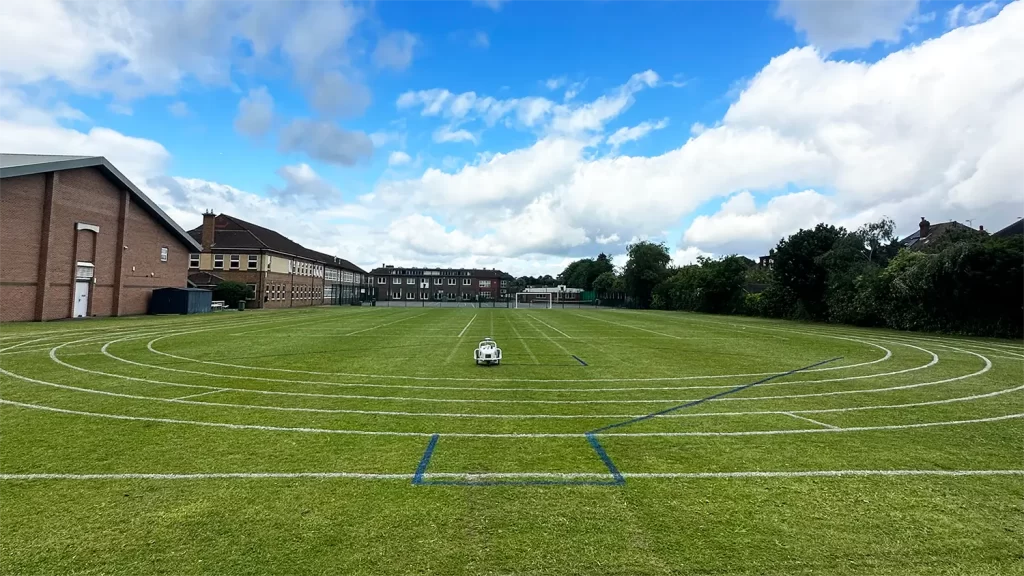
(928, 233)
(444, 284)
(280, 273)
(78, 239)
(1015, 229)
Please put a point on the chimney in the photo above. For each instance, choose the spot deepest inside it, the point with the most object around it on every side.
(208, 229)
(925, 228)
(981, 228)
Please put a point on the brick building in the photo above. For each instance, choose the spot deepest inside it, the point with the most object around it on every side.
(444, 284)
(78, 239)
(281, 273)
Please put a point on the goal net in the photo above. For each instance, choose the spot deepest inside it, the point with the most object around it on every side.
(533, 299)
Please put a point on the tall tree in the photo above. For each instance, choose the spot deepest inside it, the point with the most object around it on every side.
(799, 269)
(646, 266)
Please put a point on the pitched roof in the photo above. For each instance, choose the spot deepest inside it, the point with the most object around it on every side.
(204, 279)
(934, 231)
(12, 165)
(1011, 230)
(232, 233)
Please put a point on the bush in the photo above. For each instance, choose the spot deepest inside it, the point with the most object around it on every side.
(232, 293)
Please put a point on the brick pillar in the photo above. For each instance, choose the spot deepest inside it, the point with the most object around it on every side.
(43, 271)
(122, 226)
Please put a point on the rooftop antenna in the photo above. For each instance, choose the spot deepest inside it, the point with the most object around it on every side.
(970, 222)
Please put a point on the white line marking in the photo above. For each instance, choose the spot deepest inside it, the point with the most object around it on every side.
(508, 475)
(500, 434)
(628, 326)
(523, 340)
(809, 420)
(385, 324)
(468, 324)
(550, 326)
(197, 395)
(546, 335)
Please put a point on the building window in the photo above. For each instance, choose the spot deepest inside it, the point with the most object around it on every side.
(218, 261)
(397, 294)
(466, 281)
(438, 281)
(451, 295)
(252, 290)
(451, 281)
(84, 271)
(424, 296)
(485, 283)
(382, 280)
(235, 261)
(410, 295)
(253, 261)
(163, 253)
(410, 281)
(193, 260)
(396, 280)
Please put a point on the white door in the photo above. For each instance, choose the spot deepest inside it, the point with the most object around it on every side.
(81, 298)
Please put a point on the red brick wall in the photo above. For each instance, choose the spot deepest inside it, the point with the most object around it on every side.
(81, 196)
(21, 217)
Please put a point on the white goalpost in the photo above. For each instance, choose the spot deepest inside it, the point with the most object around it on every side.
(544, 296)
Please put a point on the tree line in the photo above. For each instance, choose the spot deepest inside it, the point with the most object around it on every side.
(962, 281)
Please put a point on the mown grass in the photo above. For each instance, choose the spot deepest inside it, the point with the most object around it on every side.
(318, 375)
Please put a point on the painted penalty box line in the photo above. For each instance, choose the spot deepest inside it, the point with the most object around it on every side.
(617, 479)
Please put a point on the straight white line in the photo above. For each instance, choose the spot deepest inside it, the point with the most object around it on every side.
(628, 326)
(550, 326)
(201, 394)
(548, 336)
(810, 420)
(523, 340)
(385, 324)
(508, 475)
(467, 325)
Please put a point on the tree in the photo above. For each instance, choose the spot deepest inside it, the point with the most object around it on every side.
(798, 267)
(605, 283)
(232, 293)
(646, 266)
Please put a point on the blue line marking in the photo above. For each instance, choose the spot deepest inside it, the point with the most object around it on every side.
(595, 444)
(712, 397)
(418, 477)
(578, 359)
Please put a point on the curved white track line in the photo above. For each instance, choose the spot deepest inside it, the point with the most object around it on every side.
(507, 475)
(507, 434)
(888, 354)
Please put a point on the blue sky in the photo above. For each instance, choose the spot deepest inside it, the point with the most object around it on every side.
(523, 134)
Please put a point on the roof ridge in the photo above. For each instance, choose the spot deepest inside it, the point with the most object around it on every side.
(245, 226)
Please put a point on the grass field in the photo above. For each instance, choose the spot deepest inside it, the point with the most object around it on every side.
(364, 440)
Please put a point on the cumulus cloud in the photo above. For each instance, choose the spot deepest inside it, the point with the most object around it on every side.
(398, 158)
(326, 141)
(449, 134)
(395, 50)
(633, 133)
(960, 15)
(333, 94)
(255, 113)
(848, 23)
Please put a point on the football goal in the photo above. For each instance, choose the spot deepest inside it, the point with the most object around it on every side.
(533, 299)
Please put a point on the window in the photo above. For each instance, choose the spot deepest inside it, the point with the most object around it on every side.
(451, 295)
(253, 261)
(84, 271)
(396, 280)
(163, 253)
(193, 260)
(397, 294)
(235, 261)
(410, 295)
(438, 281)
(451, 281)
(485, 283)
(252, 290)
(424, 296)
(382, 280)
(410, 281)
(466, 281)
(218, 261)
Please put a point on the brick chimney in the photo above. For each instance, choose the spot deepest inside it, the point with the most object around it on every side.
(208, 229)
(925, 228)
(981, 228)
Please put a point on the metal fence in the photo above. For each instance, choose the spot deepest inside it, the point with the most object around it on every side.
(482, 304)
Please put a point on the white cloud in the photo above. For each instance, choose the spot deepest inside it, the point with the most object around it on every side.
(555, 83)
(398, 158)
(335, 95)
(481, 39)
(179, 109)
(119, 108)
(632, 133)
(255, 113)
(395, 50)
(835, 25)
(960, 15)
(447, 134)
(326, 141)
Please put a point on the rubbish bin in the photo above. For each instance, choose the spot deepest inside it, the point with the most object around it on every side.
(373, 302)
(241, 305)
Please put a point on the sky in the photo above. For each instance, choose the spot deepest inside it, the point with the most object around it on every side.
(523, 135)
